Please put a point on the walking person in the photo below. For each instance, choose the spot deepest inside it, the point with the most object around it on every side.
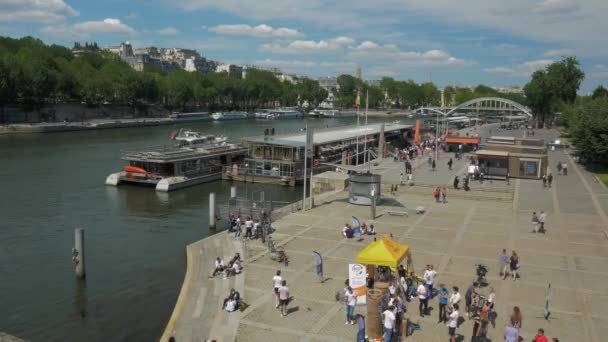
(433, 165)
(514, 265)
(443, 302)
(559, 168)
(468, 298)
(507, 178)
(436, 194)
(424, 301)
(535, 222)
(351, 301)
(550, 179)
(237, 228)
(248, 228)
(541, 220)
(444, 195)
(450, 162)
(429, 280)
(456, 181)
(516, 318)
(511, 333)
(503, 261)
(389, 323)
(565, 169)
(453, 323)
(544, 181)
(277, 280)
(283, 297)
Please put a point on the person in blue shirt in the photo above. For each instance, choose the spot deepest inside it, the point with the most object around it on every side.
(443, 302)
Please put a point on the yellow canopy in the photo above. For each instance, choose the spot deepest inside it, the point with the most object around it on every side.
(384, 252)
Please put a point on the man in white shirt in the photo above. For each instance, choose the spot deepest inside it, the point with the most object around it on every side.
(249, 228)
(389, 323)
(455, 297)
(541, 219)
(422, 297)
(453, 323)
(219, 267)
(283, 297)
(429, 280)
(351, 301)
(277, 280)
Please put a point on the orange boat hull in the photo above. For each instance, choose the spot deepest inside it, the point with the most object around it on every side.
(134, 169)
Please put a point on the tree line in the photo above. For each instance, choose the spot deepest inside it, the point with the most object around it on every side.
(33, 74)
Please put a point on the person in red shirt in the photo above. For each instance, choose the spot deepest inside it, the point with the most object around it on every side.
(540, 336)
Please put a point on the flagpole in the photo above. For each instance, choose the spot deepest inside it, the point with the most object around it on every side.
(358, 103)
(365, 154)
(305, 173)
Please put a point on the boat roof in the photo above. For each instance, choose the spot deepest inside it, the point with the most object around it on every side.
(172, 153)
(326, 135)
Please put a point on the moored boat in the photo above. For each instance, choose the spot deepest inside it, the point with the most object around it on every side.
(221, 116)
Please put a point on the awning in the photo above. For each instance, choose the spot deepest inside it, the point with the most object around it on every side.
(462, 140)
(492, 154)
(384, 252)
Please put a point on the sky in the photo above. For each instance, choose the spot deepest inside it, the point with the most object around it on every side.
(466, 42)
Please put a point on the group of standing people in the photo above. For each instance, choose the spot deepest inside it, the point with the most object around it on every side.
(538, 222)
(440, 194)
(508, 265)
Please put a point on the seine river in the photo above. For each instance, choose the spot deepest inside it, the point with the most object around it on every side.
(135, 238)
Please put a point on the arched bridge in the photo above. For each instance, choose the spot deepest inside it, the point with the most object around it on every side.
(485, 104)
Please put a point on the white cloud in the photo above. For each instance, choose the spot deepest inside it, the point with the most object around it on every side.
(576, 23)
(262, 30)
(559, 53)
(106, 26)
(499, 70)
(40, 11)
(369, 50)
(599, 71)
(521, 70)
(63, 32)
(307, 46)
(88, 29)
(307, 67)
(168, 31)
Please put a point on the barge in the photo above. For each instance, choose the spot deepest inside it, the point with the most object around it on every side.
(279, 159)
(172, 167)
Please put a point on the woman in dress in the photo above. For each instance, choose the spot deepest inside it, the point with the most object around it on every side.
(514, 265)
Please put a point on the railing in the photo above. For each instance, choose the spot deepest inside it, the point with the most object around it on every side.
(247, 171)
(203, 171)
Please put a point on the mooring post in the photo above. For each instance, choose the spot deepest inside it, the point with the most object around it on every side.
(212, 210)
(233, 192)
(78, 253)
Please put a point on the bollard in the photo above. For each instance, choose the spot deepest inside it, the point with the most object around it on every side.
(233, 192)
(78, 253)
(212, 210)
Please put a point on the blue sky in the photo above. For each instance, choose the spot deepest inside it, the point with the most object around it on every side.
(467, 42)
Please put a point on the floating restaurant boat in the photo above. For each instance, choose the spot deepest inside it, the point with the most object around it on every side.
(188, 137)
(280, 158)
(171, 167)
(186, 117)
(221, 116)
(276, 114)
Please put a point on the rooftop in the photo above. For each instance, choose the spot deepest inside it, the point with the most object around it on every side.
(325, 136)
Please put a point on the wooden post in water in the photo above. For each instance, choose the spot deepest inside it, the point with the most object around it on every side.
(212, 210)
(78, 253)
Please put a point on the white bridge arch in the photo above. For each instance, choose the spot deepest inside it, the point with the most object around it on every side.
(481, 103)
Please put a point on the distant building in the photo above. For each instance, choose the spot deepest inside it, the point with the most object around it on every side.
(358, 73)
(232, 69)
(123, 50)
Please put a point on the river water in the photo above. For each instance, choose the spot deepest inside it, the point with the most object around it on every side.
(135, 237)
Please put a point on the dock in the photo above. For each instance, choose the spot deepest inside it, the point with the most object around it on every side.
(472, 227)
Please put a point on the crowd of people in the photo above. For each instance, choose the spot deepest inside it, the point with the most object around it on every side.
(349, 232)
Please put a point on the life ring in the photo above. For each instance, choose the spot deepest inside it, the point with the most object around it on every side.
(315, 162)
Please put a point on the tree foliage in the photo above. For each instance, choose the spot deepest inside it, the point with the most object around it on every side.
(588, 124)
(598, 92)
(550, 88)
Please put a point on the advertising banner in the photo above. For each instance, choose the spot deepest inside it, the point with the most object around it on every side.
(357, 276)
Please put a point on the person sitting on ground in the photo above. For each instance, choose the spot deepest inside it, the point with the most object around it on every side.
(363, 228)
(219, 267)
(232, 302)
(236, 257)
(234, 269)
(347, 231)
(371, 230)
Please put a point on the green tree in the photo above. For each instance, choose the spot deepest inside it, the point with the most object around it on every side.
(179, 90)
(411, 94)
(347, 90)
(589, 129)
(553, 86)
(430, 95)
(392, 89)
(598, 92)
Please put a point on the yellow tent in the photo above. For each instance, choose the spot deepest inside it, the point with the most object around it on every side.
(383, 252)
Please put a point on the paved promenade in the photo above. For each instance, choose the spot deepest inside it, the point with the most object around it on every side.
(471, 228)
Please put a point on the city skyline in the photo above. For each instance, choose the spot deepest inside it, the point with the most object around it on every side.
(469, 43)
